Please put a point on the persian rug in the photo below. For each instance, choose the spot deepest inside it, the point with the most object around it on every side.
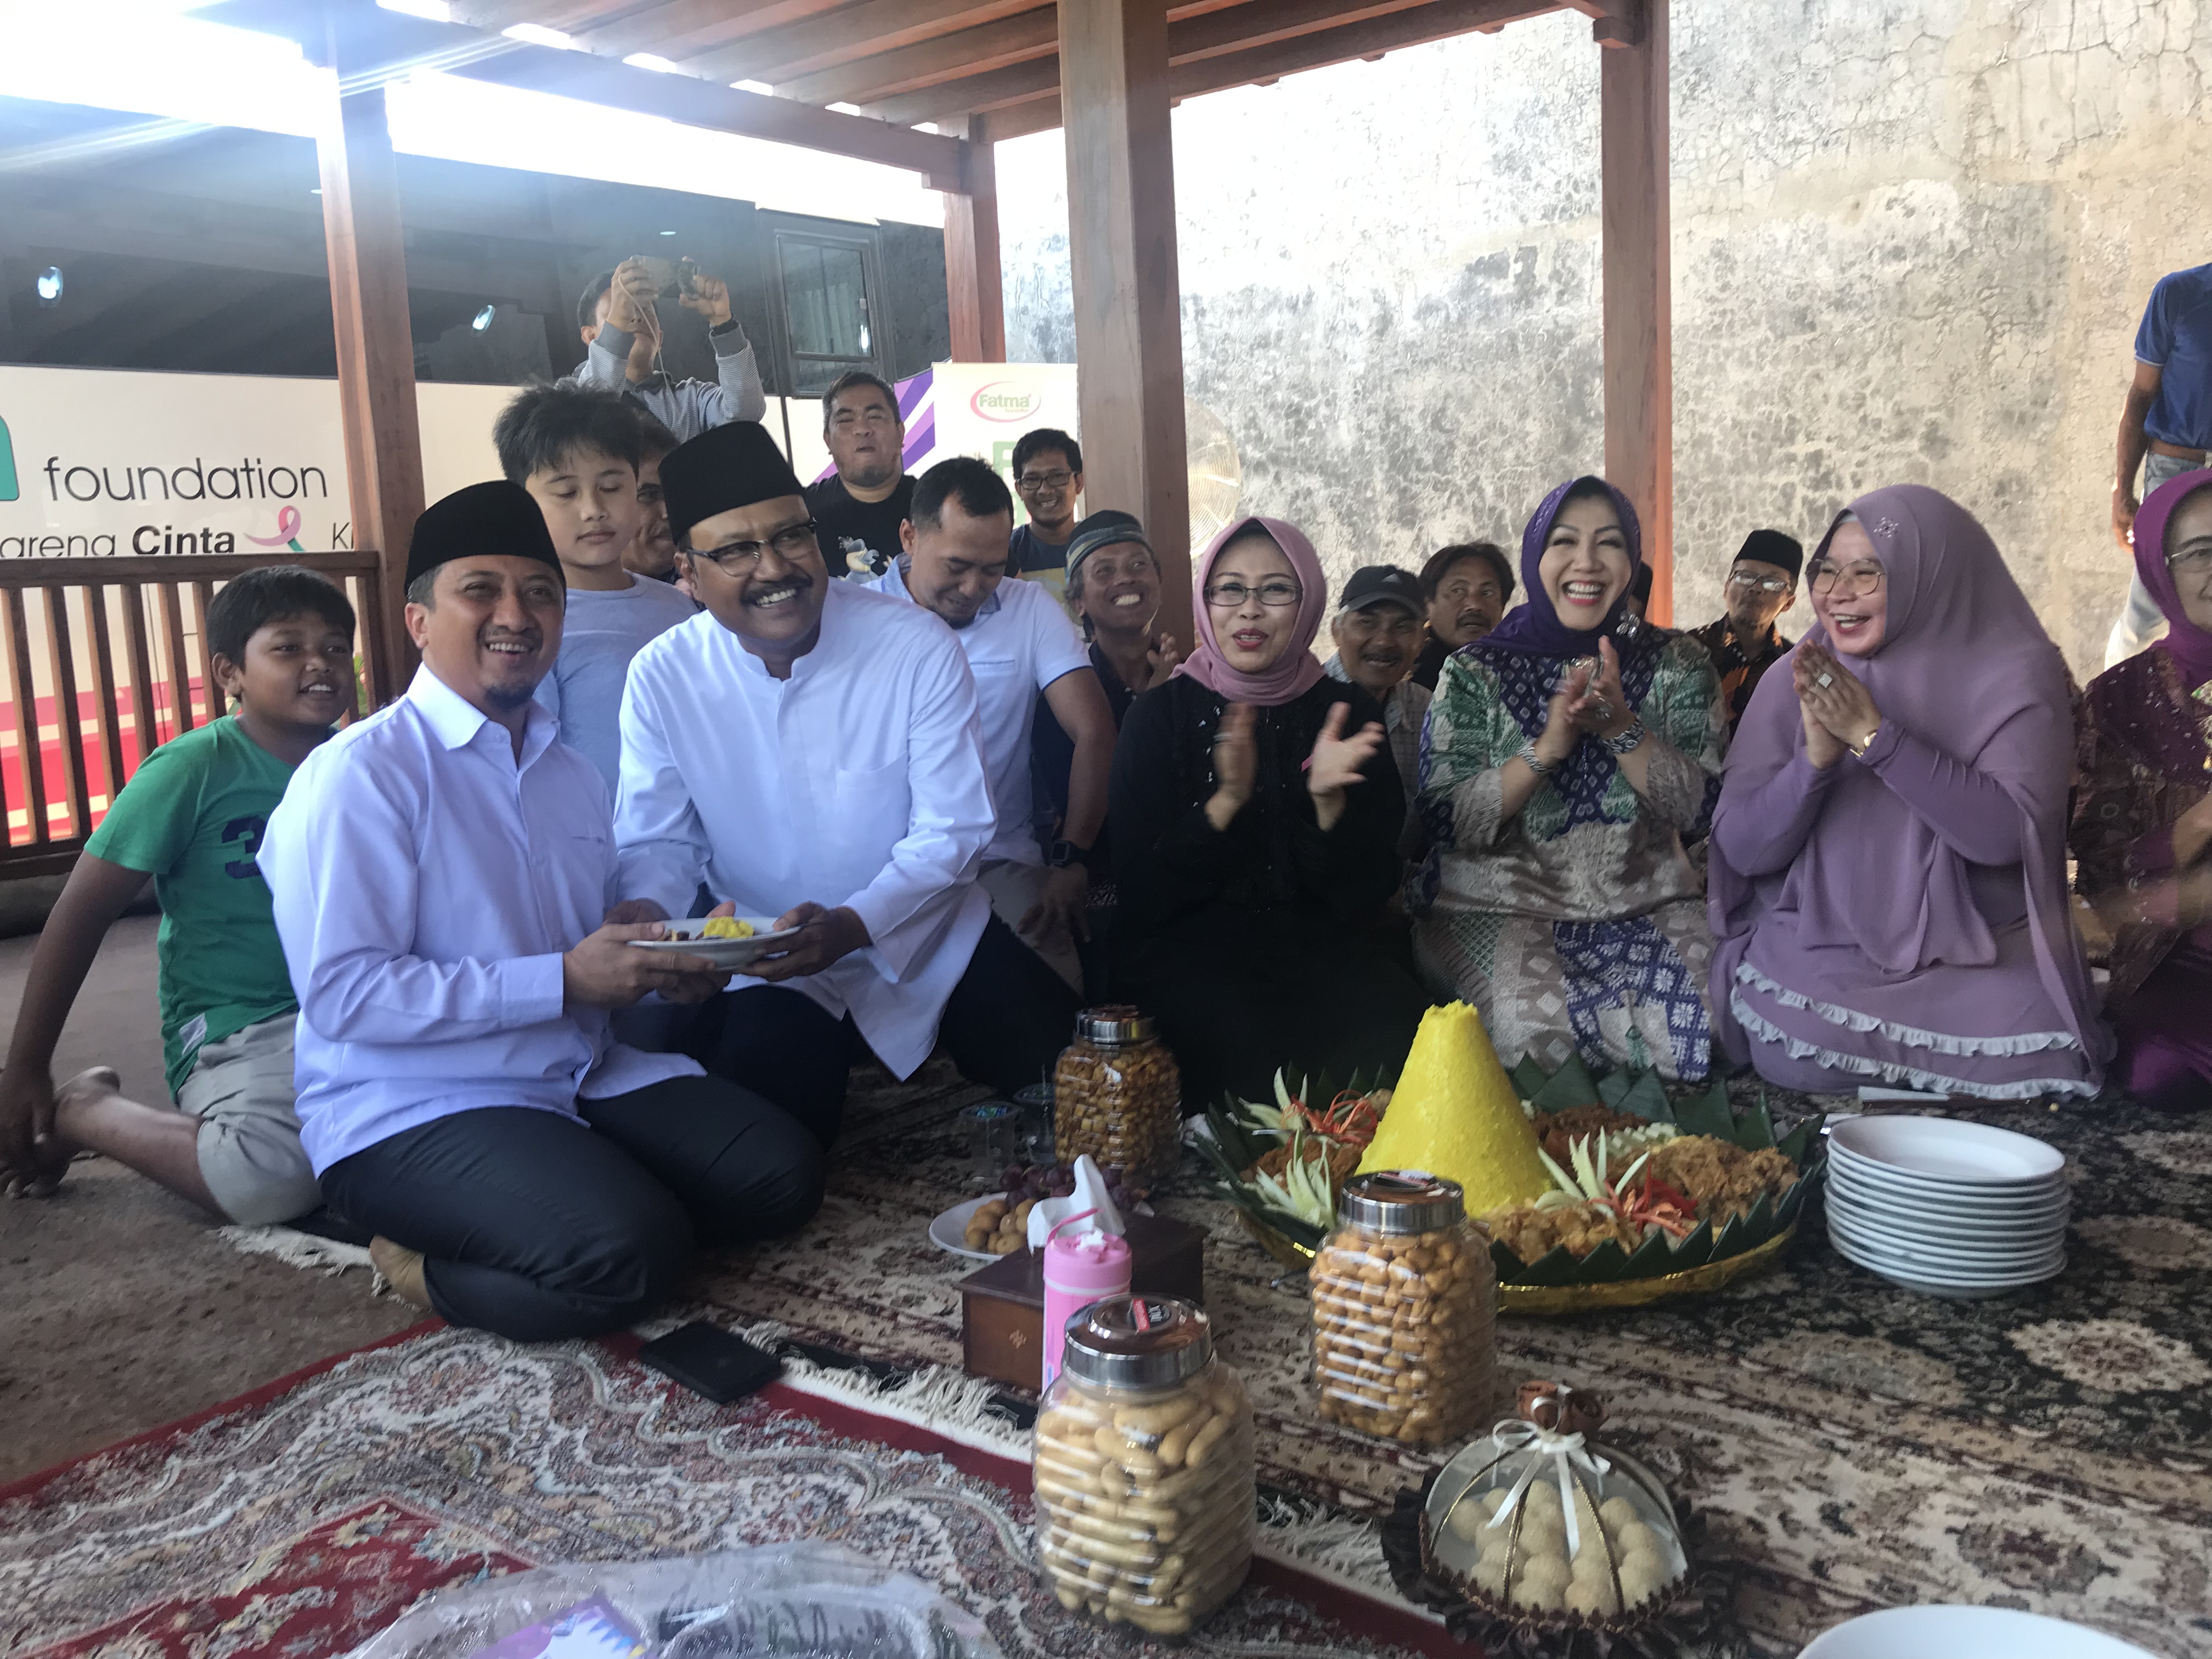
(1851, 1445)
(300, 1519)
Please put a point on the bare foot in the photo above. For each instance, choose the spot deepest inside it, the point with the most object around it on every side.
(401, 1269)
(56, 1151)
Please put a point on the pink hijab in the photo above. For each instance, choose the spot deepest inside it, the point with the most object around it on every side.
(1295, 673)
(1963, 664)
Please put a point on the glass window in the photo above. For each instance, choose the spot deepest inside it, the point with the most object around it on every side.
(825, 305)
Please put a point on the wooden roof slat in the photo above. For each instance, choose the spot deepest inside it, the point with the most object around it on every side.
(392, 43)
(971, 51)
(1214, 38)
(871, 27)
(680, 29)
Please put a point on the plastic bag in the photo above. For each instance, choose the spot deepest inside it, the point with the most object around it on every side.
(808, 1601)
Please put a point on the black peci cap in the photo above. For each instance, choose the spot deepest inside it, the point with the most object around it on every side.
(1772, 547)
(497, 518)
(724, 467)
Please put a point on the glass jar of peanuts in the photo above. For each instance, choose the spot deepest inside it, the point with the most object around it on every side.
(1117, 1096)
(1405, 1304)
(1144, 1467)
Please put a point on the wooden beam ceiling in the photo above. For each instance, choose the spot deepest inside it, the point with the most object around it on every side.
(394, 44)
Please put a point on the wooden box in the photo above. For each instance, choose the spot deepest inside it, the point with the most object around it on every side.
(1002, 1306)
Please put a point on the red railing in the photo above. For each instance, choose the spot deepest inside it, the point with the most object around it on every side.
(90, 642)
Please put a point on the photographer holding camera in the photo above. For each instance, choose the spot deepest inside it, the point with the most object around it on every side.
(621, 326)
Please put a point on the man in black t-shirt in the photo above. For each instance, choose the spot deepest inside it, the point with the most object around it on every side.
(859, 512)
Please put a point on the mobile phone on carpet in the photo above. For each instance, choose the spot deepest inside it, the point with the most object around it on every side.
(711, 1361)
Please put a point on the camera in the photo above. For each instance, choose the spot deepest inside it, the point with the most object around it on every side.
(672, 277)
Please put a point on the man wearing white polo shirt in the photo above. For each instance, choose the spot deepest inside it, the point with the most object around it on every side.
(1020, 642)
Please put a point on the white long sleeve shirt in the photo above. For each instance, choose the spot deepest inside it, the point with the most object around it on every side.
(857, 781)
(687, 408)
(426, 884)
(1020, 643)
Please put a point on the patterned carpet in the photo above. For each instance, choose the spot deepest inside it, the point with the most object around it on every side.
(1852, 1445)
(295, 1524)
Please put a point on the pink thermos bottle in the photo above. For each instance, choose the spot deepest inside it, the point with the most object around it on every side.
(1079, 1270)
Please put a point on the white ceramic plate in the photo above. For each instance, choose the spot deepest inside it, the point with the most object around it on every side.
(1946, 1185)
(1965, 1633)
(1960, 1286)
(1858, 1189)
(722, 952)
(1948, 1150)
(1946, 1264)
(1967, 1255)
(1948, 1194)
(949, 1230)
(1988, 1236)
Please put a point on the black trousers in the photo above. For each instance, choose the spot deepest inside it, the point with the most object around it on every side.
(1003, 1026)
(539, 1227)
(1232, 1016)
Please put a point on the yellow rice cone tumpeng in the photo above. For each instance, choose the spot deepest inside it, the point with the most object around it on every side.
(1456, 1114)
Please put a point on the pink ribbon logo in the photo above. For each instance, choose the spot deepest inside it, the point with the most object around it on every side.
(288, 531)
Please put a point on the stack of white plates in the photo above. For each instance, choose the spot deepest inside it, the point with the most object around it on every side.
(1951, 1632)
(1946, 1208)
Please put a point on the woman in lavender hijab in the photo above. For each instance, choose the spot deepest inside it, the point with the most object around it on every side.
(2143, 820)
(1887, 877)
(1566, 758)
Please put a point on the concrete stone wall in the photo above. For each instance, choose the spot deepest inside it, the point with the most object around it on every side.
(1913, 239)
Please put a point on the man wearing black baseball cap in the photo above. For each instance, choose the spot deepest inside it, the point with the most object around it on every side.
(1743, 643)
(1378, 630)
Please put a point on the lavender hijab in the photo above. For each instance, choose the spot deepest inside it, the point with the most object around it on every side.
(2190, 645)
(1964, 664)
(1294, 674)
(1534, 629)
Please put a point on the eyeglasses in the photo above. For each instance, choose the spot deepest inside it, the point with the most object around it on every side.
(735, 558)
(1862, 578)
(1230, 596)
(2191, 561)
(1764, 584)
(1044, 481)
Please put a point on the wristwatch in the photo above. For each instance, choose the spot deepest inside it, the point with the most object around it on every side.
(1061, 853)
(1865, 743)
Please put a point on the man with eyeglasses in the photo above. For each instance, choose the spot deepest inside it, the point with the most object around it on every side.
(809, 751)
(1744, 642)
(859, 511)
(1048, 477)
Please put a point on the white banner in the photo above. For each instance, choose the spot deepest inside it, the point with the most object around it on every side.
(96, 463)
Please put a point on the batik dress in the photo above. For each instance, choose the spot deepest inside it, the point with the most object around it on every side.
(2145, 758)
(1578, 925)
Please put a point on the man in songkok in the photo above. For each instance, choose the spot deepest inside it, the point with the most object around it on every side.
(1743, 640)
(809, 751)
(441, 872)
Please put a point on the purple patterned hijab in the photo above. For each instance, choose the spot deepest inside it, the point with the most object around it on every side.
(1534, 629)
(2190, 645)
(1964, 664)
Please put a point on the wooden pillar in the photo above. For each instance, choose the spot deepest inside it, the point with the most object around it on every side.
(376, 356)
(972, 280)
(1639, 368)
(1128, 295)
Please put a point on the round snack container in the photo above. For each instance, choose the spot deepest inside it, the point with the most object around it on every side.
(1405, 1304)
(1117, 1096)
(1144, 1468)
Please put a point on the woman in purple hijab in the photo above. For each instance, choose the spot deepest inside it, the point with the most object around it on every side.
(1887, 878)
(1567, 755)
(2142, 821)
(1256, 812)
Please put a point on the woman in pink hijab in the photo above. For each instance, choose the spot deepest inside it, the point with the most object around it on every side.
(1256, 813)
(2142, 817)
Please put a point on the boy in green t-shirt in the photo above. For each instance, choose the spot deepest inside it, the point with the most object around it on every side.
(281, 641)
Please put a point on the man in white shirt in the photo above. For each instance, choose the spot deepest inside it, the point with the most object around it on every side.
(439, 873)
(1020, 642)
(807, 748)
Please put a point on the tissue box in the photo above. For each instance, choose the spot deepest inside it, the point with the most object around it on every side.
(1002, 1306)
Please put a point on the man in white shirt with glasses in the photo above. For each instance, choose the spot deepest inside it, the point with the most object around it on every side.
(808, 750)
